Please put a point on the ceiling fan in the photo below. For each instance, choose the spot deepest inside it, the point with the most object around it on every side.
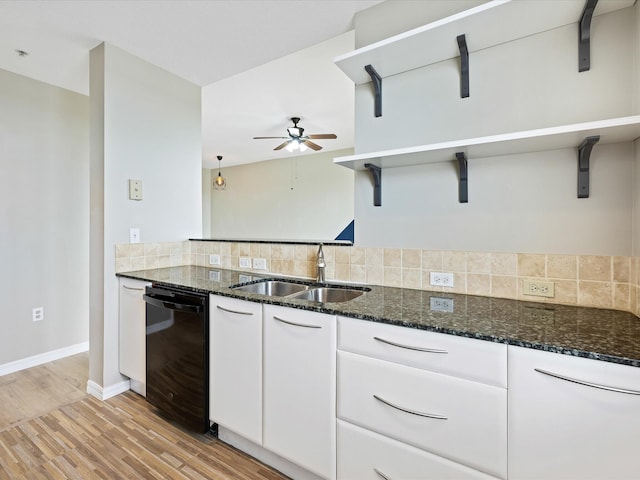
(298, 140)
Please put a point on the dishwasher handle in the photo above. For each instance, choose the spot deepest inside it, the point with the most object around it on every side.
(151, 299)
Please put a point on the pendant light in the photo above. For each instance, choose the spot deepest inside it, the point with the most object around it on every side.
(219, 183)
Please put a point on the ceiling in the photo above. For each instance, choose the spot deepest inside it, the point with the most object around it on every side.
(251, 56)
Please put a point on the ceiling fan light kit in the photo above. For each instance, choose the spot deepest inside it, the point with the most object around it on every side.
(297, 140)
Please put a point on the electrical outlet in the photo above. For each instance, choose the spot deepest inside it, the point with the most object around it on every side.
(538, 288)
(214, 259)
(37, 314)
(259, 263)
(441, 279)
(244, 278)
(439, 304)
(245, 262)
(214, 275)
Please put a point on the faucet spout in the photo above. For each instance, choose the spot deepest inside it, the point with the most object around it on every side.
(320, 265)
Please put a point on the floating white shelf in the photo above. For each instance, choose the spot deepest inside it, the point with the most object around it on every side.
(615, 130)
(487, 25)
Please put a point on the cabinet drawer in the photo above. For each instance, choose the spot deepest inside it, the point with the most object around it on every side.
(466, 422)
(362, 452)
(476, 360)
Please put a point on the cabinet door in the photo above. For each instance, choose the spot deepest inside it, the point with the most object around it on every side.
(299, 387)
(365, 455)
(559, 429)
(132, 332)
(235, 353)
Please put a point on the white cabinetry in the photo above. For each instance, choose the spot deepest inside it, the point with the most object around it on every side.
(299, 387)
(131, 315)
(463, 421)
(561, 429)
(365, 455)
(236, 366)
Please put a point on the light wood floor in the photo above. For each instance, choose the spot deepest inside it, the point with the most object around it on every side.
(49, 430)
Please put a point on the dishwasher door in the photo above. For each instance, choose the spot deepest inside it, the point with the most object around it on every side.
(177, 357)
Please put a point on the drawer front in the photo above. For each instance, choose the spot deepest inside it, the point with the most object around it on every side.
(476, 360)
(461, 420)
(362, 454)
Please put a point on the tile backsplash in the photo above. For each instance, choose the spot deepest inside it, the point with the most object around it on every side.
(586, 280)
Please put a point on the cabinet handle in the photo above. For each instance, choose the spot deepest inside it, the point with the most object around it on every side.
(133, 288)
(409, 347)
(588, 384)
(295, 324)
(233, 311)
(412, 412)
(382, 475)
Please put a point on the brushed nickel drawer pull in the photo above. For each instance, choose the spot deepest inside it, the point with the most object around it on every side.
(588, 384)
(134, 288)
(382, 475)
(233, 311)
(295, 324)
(412, 412)
(409, 347)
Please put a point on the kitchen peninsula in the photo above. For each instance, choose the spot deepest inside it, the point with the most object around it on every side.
(407, 373)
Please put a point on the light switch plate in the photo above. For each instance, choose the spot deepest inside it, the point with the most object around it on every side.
(135, 189)
(245, 262)
(134, 235)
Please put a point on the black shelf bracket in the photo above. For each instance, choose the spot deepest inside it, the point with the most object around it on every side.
(377, 89)
(463, 184)
(584, 39)
(464, 65)
(376, 174)
(584, 154)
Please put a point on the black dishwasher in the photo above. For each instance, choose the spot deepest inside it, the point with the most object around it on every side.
(177, 341)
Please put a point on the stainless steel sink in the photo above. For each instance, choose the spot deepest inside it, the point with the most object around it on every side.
(328, 294)
(272, 288)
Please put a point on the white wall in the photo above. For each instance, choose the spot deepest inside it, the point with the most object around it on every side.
(636, 111)
(300, 197)
(44, 217)
(522, 203)
(145, 125)
(207, 178)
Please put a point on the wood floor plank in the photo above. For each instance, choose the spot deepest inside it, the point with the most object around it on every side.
(50, 429)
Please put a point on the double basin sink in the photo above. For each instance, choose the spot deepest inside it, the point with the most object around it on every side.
(302, 291)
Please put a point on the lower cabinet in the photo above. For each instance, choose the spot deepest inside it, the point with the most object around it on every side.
(299, 387)
(235, 357)
(131, 333)
(463, 421)
(365, 455)
(564, 425)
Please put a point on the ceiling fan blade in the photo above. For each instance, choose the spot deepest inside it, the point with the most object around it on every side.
(261, 138)
(328, 136)
(282, 145)
(312, 145)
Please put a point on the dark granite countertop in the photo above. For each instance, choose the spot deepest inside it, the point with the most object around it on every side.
(602, 334)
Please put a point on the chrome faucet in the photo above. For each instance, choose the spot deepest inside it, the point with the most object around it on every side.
(320, 265)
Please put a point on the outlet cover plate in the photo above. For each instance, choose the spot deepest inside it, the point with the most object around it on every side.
(245, 262)
(441, 279)
(214, 259)
(538, 288)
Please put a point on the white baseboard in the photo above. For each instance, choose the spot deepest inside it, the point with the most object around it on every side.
(41, 358)
(265, 456)
(103, 393)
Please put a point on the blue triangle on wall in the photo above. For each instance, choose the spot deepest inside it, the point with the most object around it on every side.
(347, 233)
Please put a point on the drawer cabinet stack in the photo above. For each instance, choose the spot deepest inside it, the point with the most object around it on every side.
(415, 404)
